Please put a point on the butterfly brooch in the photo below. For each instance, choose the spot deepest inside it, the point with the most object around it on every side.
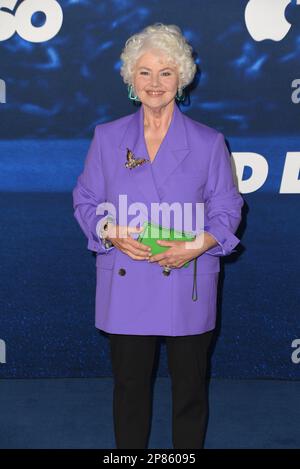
(133, 162)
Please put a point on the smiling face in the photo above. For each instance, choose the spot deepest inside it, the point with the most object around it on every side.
(155, 79)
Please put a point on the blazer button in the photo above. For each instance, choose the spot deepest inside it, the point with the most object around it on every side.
(165, 272)
(122, 272)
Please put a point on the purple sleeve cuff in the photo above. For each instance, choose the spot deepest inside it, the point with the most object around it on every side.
(226, 240)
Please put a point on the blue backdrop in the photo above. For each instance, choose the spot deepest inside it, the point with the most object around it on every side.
(59, 78)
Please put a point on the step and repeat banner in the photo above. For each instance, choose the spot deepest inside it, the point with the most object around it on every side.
(59, 78)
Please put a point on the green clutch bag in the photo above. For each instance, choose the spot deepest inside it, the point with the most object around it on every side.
(152, 232)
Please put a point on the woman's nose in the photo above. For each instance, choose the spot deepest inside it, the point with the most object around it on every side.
(154, 80)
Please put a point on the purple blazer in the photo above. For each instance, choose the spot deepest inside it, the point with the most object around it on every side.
(192, 165)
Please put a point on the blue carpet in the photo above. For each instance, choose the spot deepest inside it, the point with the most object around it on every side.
(77, 413)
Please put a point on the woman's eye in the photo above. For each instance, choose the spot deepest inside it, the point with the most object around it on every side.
(163, 73)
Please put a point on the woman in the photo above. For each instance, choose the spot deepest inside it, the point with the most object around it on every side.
(157, 155)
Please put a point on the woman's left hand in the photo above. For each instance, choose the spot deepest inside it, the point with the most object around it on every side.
(180, 252)
(177, 255)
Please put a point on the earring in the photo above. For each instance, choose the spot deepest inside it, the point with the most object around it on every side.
(130, 94)
(180, 96)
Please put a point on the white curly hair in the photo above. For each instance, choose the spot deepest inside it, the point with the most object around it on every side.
(168, 39)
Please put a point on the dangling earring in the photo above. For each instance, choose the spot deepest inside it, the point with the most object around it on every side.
(180, 96)
(130, 94)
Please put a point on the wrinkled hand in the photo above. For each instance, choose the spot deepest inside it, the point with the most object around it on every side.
(181, 252)
(120, 237)
(177, 254)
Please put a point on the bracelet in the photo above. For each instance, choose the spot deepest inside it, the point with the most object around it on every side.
(104, 232)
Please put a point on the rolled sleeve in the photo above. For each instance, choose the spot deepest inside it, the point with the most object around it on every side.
(223, 202)
(89, 192)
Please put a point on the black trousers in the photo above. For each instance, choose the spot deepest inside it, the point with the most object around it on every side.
(132, 358)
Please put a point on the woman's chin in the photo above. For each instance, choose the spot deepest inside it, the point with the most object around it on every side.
(155, 102)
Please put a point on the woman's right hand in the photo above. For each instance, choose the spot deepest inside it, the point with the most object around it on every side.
(121, 239)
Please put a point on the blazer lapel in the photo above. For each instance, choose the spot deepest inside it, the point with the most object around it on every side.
(146, 180)
(141, 184)
(173, 150)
